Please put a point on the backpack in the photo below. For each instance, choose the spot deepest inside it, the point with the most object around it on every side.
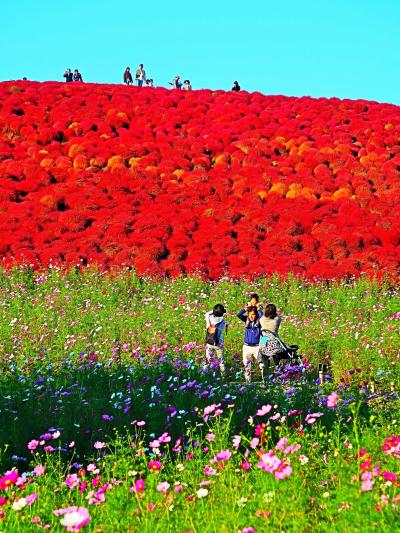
(212, 335)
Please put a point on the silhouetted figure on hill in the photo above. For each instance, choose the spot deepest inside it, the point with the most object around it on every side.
(236, 87)
(128, 76)
(68, 75)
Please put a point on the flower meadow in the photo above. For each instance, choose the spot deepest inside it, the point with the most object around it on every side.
(207, 182)
(111, 420)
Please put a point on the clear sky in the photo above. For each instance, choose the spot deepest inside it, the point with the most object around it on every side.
(344, 48)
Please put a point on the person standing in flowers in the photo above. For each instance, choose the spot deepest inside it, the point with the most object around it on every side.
(215, 329)
(252, 334)
(128, 76)
(186, 85)
(269, 346)
(140, 75)
(270, 321)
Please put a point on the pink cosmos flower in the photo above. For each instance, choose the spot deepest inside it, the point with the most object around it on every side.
(31, 498)
(389, 476)
(245, 465)
(139, 486)
(292, 448)
(312, 417)
(223, 455)
(10, 478)
(155, 466)
(255, 441)
(391, 446)
(99, 445)
(210, 437)
(236, 441)
(246, 530)
(281, 443)
(163, 487)
(269, 462)
(33, 444)
(72, 481)
(209, 471)
(265, 409)
(283, 471)
(48, 449)
(332, 400)
(74, 518)
(39, 470)
(367, 485)
(164, 438)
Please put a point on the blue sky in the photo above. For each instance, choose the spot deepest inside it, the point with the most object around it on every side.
(344, 48)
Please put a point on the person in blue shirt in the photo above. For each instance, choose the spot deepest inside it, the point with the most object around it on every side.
(252, 333)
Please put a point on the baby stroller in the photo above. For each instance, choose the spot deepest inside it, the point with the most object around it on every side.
(273, 351)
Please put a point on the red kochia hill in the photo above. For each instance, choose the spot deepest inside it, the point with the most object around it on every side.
(172, 182)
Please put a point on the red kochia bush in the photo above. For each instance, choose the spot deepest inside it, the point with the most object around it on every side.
(169, 182)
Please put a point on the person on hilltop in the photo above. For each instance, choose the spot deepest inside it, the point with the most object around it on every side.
(252, 334)
(68, 75)
(77, 75)
(236, 87)
(140, 75)
(186, 85)
(128, 76)
(215, 328)
(176, 82)
(149, 83)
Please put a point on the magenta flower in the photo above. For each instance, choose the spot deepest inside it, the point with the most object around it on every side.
(245, 465)
(389, 476)
(139, 486)
(332, 400)
(9, 479)
(72, 481)
(223, 455)
(33, 444)
(209, 471)
(155, 466)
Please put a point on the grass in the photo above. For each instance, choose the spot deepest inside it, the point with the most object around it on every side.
(86, 356)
